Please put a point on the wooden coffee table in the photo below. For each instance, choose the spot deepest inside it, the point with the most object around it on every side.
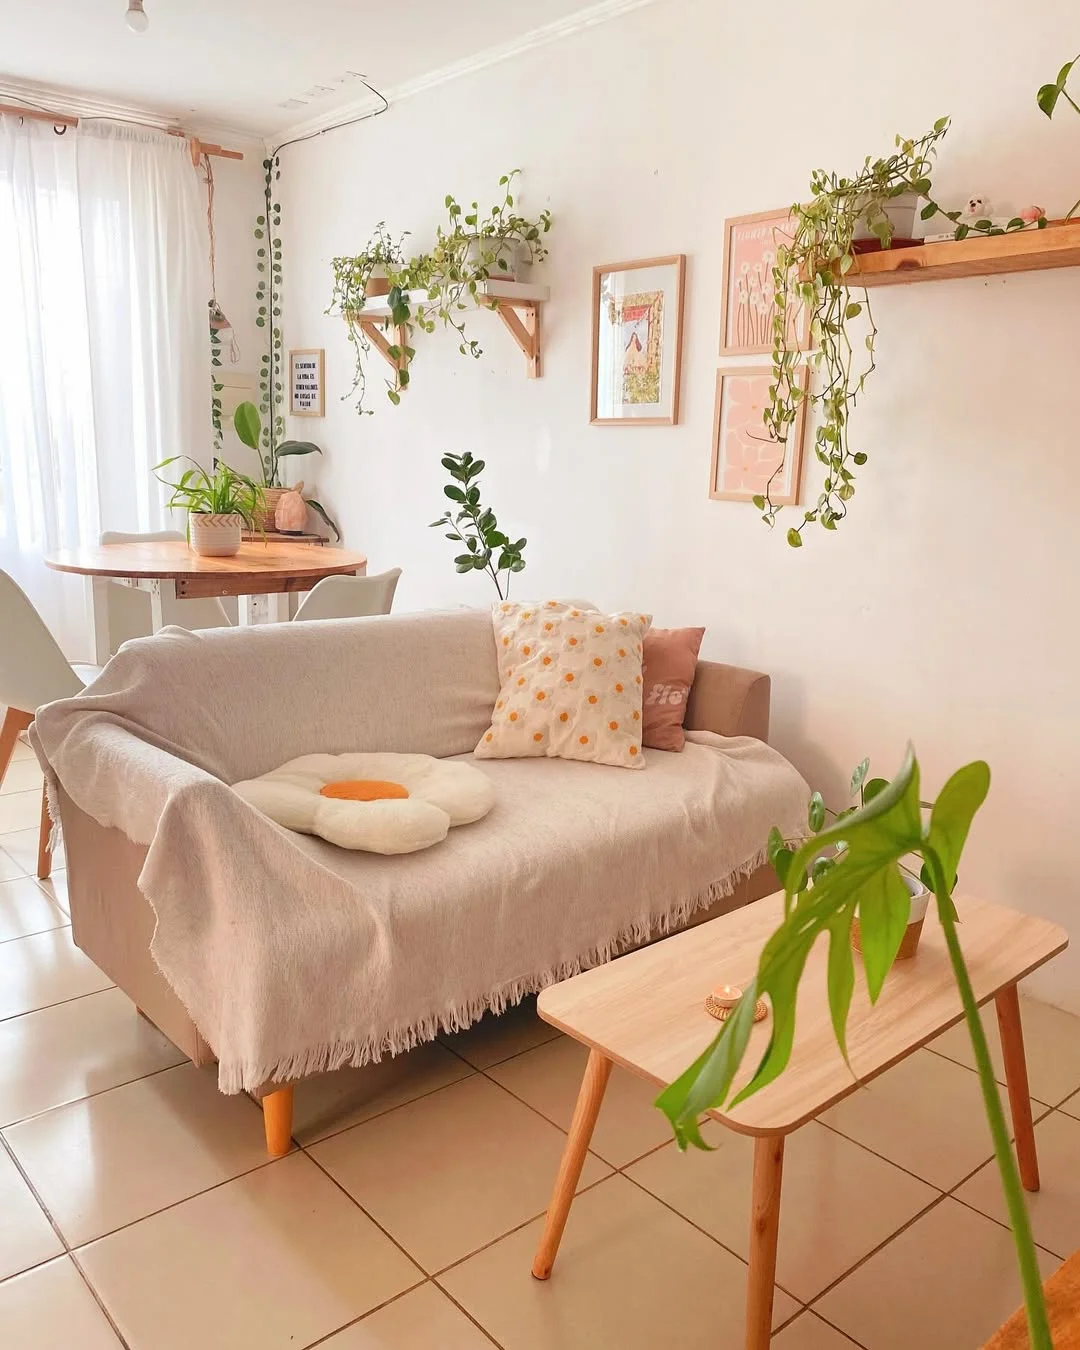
(645, 1012)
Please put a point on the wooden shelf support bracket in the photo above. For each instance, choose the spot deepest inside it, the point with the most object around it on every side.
(373, 331)
(521, 320)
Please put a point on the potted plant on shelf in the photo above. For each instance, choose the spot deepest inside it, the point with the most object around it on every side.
(367, 274)
(816, 270)
(248, 426)
(439, 285)
(475, 526)
(219, 505)
(821, 896)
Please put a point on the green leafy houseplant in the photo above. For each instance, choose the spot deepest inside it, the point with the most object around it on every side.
(1050, 95)
(813, 272)
(248, 426)
(268, 316)
(820, 897)
(439, 285)
(353, 284)
(475, 526)
(222, 492)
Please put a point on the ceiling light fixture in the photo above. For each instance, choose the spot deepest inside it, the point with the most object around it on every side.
(136, 17)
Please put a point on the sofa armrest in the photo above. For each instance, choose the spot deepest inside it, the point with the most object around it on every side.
(729, 701)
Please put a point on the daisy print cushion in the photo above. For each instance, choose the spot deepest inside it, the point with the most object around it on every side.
(571, 684)
(381, 803)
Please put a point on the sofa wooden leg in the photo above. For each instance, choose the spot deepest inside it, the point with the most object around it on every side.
(277, 1121)
(44, 853)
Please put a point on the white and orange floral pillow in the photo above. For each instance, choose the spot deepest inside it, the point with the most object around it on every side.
(571, 684)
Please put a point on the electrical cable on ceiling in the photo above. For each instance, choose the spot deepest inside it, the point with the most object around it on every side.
(338, 126)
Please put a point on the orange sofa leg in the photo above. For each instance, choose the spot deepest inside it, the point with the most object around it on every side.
(277, 1121)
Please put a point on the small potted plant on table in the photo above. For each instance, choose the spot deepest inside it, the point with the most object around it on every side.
(219, 505)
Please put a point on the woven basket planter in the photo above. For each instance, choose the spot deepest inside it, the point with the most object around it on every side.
(214, 536)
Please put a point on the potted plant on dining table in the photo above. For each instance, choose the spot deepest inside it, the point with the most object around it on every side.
(220, 504)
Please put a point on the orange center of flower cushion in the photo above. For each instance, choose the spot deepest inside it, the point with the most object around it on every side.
(363, 790)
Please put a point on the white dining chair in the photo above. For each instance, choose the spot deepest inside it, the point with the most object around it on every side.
(33, 671)
(349, 597)
(129, 609)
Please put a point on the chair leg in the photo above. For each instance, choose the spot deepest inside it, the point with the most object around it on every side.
(277, 1121)
(15, 720)
(44, 852)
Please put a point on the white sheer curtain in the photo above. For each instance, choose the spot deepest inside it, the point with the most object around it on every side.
(104, 343)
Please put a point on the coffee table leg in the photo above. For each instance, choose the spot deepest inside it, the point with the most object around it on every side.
(1016, 1078)
(764, 1230)
(590, 1097)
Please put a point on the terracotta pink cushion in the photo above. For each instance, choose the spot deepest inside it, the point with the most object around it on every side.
(670, 658)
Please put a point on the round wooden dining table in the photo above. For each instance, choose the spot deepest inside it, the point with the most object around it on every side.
(170, 571)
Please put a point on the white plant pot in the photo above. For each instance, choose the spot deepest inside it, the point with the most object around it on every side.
(214, 536)
(509, 251)
(903, 213)
(378, 283)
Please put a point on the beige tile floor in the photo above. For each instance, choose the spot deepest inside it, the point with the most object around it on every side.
(138, 1209)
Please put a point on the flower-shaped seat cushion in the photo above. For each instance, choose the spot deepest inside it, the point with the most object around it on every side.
(382, 803)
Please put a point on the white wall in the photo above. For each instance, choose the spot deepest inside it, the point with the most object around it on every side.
(945, 609)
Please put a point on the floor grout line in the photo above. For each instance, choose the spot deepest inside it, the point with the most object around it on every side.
(35, 1115)
(60, 1002)
(66, 1253)
(321, 1340)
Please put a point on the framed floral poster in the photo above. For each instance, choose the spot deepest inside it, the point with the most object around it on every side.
(746, 461)
(746, 318)
(637, 341)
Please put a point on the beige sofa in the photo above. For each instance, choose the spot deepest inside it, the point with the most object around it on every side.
(113, 922)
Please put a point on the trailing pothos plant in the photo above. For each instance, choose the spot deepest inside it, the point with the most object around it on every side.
(352, 276)
(820, 897)
(475, 526)
(812, 276)
(1048, 98)
(437, 286)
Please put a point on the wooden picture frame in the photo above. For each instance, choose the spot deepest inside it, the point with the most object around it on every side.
(739, 469)
(746, 323)
(307, 382)
(645, 300)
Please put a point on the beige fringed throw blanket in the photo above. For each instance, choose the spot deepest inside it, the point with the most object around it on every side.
(293, 956)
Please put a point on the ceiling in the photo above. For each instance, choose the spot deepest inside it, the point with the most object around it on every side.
(234, 63)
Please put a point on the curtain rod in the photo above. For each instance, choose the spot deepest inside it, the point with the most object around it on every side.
(198, 147)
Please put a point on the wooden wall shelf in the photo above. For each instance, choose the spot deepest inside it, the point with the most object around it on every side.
(517, 303)
(1023, 251)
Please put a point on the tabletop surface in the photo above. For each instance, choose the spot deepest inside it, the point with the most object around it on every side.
(646, 1010)
(174, 559)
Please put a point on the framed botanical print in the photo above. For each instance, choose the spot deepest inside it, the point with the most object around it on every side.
(746, 317)
(637, 341)
(746, 461)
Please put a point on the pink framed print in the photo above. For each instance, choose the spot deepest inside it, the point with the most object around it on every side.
(746, 461)
(746, 317)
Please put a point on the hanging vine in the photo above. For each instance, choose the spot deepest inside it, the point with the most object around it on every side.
(268, 315)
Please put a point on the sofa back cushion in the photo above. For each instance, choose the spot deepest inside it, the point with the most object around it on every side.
(241, 701)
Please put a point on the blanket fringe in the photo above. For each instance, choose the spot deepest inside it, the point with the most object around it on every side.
(248, 1077)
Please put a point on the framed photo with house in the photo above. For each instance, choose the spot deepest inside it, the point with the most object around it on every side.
(746, 461)
(306, 389)
(637, 313)
(748, 307)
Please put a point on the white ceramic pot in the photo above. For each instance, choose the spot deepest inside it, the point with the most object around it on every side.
(510, 251)
(378, 283)
(214, 536)
(920, 898)
(903, 212)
